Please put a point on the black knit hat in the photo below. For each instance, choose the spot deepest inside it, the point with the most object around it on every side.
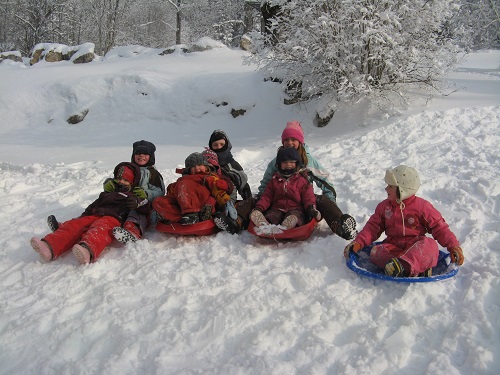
(287, 153)
(216, 136)
(145, 148)
(196, 159)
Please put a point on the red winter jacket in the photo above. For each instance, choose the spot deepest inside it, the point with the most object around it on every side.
(286, 194)
(218, 187)
(415, 217)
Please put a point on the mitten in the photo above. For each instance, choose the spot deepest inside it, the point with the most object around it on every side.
(354, 247)
(313, 212)
(140, 193)
(221, 185)
(258, 218)
(170, 189)
(456, 255)
(221, 197)
(231, 210)
(131, 203)
(109, 185)
(230, 184)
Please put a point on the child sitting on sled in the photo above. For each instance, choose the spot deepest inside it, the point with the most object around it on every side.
(88, 235)
(195, 196)
(289, 196)
(405, 219)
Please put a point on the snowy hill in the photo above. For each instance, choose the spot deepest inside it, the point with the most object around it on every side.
(235, 304)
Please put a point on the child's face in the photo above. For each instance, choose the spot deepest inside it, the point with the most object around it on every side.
(291, 142)
(126, 186)
(199, 169)
(288, 164)
(141, 159)
(392, 194)
(217, 145)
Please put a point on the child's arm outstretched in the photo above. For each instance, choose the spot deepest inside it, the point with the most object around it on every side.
(440, 231)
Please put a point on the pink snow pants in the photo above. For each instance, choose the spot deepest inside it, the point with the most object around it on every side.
(419, 253)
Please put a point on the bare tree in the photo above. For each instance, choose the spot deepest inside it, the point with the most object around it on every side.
(482, 17)
(38, 21)
(178, 6)
(106, 16)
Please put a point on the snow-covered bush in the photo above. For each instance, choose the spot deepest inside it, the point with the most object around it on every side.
(348, 49)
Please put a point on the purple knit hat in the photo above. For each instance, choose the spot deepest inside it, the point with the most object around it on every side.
(293, 129)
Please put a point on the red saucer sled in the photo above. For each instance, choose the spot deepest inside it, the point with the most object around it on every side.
(295, 234)
(203, 228)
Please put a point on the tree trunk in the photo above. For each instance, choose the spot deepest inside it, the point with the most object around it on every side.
(179, 19)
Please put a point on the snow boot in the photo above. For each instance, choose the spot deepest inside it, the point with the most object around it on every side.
(42, 248)
(161, 219)
(346, 227)
(82, 252)
(244, 208)
(225, 223)
(52, 223)
(129, 233)
(190, 218)
(206, 212)
(290, 221)
(258, 218)
(426, 273)
(394, 268)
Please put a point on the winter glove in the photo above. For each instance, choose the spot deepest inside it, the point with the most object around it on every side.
(354, 247)
(231, 210)
(140, 193)
(258, 218)
(109, 185)
(456, 255)
(313, 212)
(131, 203)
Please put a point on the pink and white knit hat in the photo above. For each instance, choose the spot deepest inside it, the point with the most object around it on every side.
(293, 129)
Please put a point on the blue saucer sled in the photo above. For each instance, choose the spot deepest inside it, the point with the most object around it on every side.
(360, 263)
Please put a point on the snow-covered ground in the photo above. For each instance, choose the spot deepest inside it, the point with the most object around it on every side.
(237, 304)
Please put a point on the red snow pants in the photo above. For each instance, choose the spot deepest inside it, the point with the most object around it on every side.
(94, 231)
(419, 253)
(185, 196)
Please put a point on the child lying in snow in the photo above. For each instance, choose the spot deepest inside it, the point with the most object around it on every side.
(88, 235)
